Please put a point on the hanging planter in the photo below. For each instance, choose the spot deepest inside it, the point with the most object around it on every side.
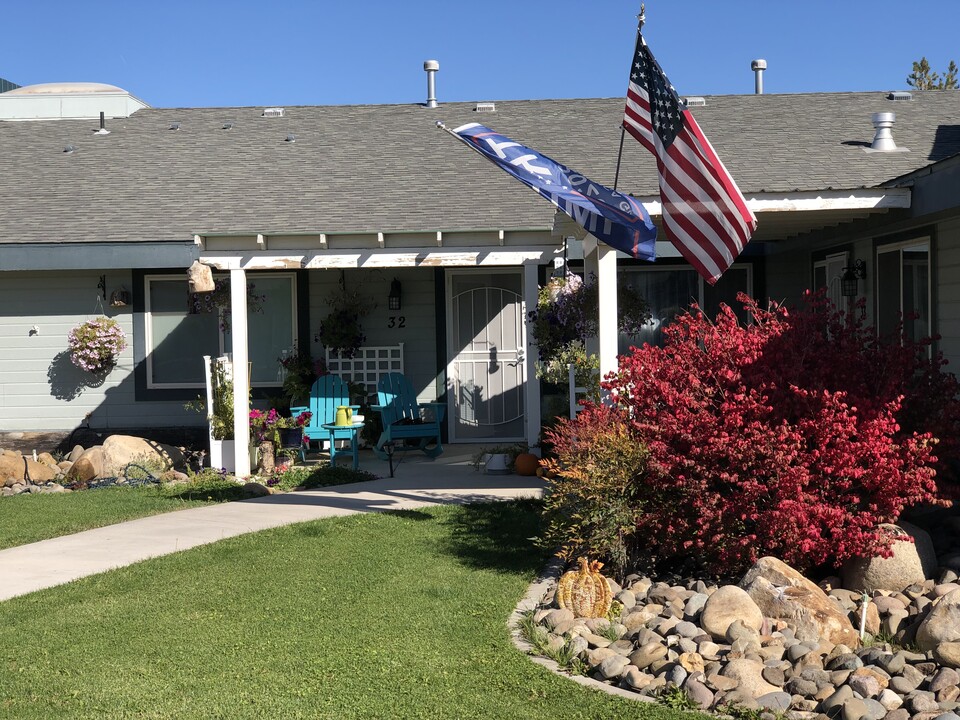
(95, 345)
(341, 331)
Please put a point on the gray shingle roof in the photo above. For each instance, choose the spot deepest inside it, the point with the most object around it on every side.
(387, 168)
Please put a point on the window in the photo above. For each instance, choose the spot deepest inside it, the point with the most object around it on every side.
(671, 290)
(903, 288)
(176, 340)
(828, 273)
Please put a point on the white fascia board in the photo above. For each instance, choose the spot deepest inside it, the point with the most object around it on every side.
(96, 256)
(814, 200)
(325, 260)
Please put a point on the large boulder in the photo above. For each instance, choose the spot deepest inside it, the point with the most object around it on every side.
(783, 593)
(121, 450)
(88, 466)
(912, 562)
(724, 607)
(942, 623)
(40, 472)
(11, 466)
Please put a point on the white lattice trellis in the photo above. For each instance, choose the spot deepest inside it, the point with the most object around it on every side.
(367, 365)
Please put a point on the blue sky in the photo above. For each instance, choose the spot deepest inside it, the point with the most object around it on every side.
(177, 53)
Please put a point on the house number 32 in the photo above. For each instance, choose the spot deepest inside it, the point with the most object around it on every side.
(397, 321)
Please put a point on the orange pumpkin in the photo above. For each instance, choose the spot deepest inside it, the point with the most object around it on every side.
(526, 464)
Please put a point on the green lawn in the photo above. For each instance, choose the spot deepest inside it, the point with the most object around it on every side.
(29, 518)
(371, 616)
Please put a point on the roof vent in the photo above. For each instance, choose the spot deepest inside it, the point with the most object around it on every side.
(175, 126)
(758, 66)
(227, 126)
(883, 140)
(291, 138)
(695, 101)
(485, 107)
(272, 112)
(103, 126)
(899, 95)
(69, 149)
(430, 67)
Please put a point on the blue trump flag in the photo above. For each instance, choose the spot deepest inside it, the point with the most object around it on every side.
(616, 219)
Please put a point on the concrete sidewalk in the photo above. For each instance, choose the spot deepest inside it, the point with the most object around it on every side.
(59, 560)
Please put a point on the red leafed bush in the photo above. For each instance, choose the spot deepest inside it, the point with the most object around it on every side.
(780, 437)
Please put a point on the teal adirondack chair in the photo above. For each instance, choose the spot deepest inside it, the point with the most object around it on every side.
(327, 394)
(402, 417)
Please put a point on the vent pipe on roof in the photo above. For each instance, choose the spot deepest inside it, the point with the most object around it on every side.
(758, 66)
(103, 125)
(883, 140)
(430, 67)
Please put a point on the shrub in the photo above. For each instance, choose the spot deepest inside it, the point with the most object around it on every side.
(595, 493)
(779, 437)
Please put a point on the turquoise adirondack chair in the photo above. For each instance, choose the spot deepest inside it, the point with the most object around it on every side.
(403, 418)
(327, 394)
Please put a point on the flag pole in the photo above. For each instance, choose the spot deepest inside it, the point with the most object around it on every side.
(616, 177)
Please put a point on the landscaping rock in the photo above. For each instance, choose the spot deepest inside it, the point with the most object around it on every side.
(121, 450)
(635, 678)
(948, 653)
(698, 692)
(613, 666)
(912, 562)
(727, 605)
(776, 701)
(648, 654)
(39, 472)
(88, 466)
(11, 467)
(253, 489)
(804, 606)
(749, 677)
(942, 624)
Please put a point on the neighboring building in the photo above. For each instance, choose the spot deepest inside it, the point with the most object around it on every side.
(6, 85)
(305, 200)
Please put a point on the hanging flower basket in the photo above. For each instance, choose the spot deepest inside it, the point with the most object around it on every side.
(95, 344)
(341, 331)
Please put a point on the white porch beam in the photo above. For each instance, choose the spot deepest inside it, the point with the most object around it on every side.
(241, 374)
(601, 260)
(261, 241)
(531, 288)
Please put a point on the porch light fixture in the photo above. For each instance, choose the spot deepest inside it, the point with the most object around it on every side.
(393, 299)
(849, 281)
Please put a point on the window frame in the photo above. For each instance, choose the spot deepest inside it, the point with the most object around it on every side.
(898, 246)
(148, 278)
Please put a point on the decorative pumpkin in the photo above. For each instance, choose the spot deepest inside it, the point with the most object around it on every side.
(584, 591)
(526, 464)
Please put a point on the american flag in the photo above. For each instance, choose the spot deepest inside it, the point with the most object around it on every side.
(704, 214)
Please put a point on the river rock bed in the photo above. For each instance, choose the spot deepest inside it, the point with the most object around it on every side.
(775, 642)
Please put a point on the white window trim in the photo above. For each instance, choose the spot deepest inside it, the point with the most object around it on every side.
(148, 327)
(898, 248)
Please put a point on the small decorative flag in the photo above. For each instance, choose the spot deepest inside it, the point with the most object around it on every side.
(615, 218)
(704, 214)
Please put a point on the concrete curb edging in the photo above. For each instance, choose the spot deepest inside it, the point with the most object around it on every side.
(538, 588)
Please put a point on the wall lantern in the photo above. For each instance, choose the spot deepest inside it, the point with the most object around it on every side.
(849, 281)
(393, 299)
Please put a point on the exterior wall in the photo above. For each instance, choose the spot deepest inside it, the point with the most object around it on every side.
(40, 389)
(948, 290)
(788, 273)
(419, 334)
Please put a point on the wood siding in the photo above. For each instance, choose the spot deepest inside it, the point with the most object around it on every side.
(40, 389)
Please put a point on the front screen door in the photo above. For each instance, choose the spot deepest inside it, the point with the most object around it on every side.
(485, 346)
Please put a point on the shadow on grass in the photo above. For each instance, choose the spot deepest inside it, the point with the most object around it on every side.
(412, 514)
(497, 536)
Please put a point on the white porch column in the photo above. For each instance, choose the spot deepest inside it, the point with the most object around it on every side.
(600, 259)
(531, 393)
(241, 373)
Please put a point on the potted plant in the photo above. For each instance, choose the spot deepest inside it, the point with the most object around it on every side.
(95, 344)
(341, 331)
(270, 430)
(566, 315)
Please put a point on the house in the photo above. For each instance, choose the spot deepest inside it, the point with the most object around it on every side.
(306, 202)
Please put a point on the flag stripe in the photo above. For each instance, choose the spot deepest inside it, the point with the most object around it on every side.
(704, 213)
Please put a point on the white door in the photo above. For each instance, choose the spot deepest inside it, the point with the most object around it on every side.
(486, 369)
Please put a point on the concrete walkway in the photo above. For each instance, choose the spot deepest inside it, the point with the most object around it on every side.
(418, 482)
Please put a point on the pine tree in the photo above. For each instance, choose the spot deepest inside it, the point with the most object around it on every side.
(922, 78)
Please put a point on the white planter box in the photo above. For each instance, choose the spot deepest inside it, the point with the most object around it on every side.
(221, 455)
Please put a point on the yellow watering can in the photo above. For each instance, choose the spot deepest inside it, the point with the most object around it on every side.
(344, 415)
